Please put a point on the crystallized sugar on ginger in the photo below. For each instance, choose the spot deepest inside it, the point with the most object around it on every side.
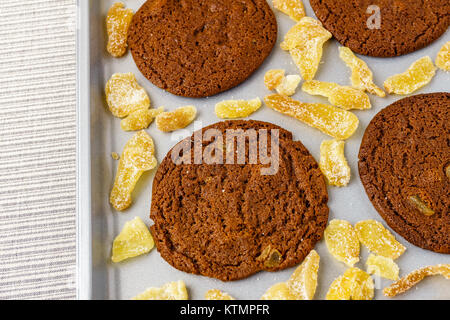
(134, 240)
(354, 284)
(343, 97)
(293, 8)
(140, 119)
(443, 57)
(273, 78)
(170, 291)
(342, 242)
(118, 21)
(215, 294)
(338, 123)
(378, 239)
(232, 109)
(418, 75)
(382, 267)
(305, 44)
(362, 76)
(124, 95)
(333, 163)
(284, 85)
(301, 285)
(415, 277)
(175, 120)
(137, 157)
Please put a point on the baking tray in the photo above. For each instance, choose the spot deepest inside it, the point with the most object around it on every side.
(100, 134)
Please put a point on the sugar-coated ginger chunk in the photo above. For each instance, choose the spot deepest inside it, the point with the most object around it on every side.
(418, 75)
(124, 95)
(378, 239)
(273, 78)
(342, 241)
(137, 157)
(443, 57)
(134, 240)
(232, 109)
(415, 277)
(354, 284)
(170, 291)
(382, 267)
(118, 21)
(333, 163)
(177, 119)
(338, 123)
(293, 8)
(362, 76)
(140, 119)
(215, 294)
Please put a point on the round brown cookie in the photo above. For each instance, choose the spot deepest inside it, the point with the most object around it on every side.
(198, 48)
(404, 166)
(226, 220)
(405, 26)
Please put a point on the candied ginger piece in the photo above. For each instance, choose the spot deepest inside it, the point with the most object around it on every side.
(293, 8)
(140, 119)
(170, 291)
(415, 277)
(270, 256)
(124, 95)
(175, 120)
(338, 123)
(273, 78)
(215, 294)
(333, 163)
(420, 205)
(354, 284)
(305, 44)
(362, 76)
(418, 75)
(134, 240)
(301, 285)
(115, 156)
(378, 239)
(232, 109)
(289, 85)
(382, 267)
(137, 157)
(443, 57)
(118, 21)
(342, 241)
(344, 97)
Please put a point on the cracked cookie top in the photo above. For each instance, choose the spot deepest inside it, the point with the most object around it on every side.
(384, 28)
(228, 221)
(404, 165)
(198, 48)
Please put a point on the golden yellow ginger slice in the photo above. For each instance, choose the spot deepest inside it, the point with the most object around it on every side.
(378, 239)
(118, 21)
(338, 123)
(418, 75)
(305, 44)
(333, 163)
(382, 267)
(342, 241)
(289, 85)
(293, 8)
(362, 76)
(343, 97)
(177, 119)
(415, 277)
(301, 285)
(170, 291)
(443, 57)
(124, 95)
(215, 294)
(354, 284)
(232, 109)
(273, 78)
(137, 157)
(134, 240)
(140, 119)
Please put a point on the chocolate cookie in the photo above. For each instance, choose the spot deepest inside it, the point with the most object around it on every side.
(402, 26)
(404, 164)
(198, 48)
(228, 221)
